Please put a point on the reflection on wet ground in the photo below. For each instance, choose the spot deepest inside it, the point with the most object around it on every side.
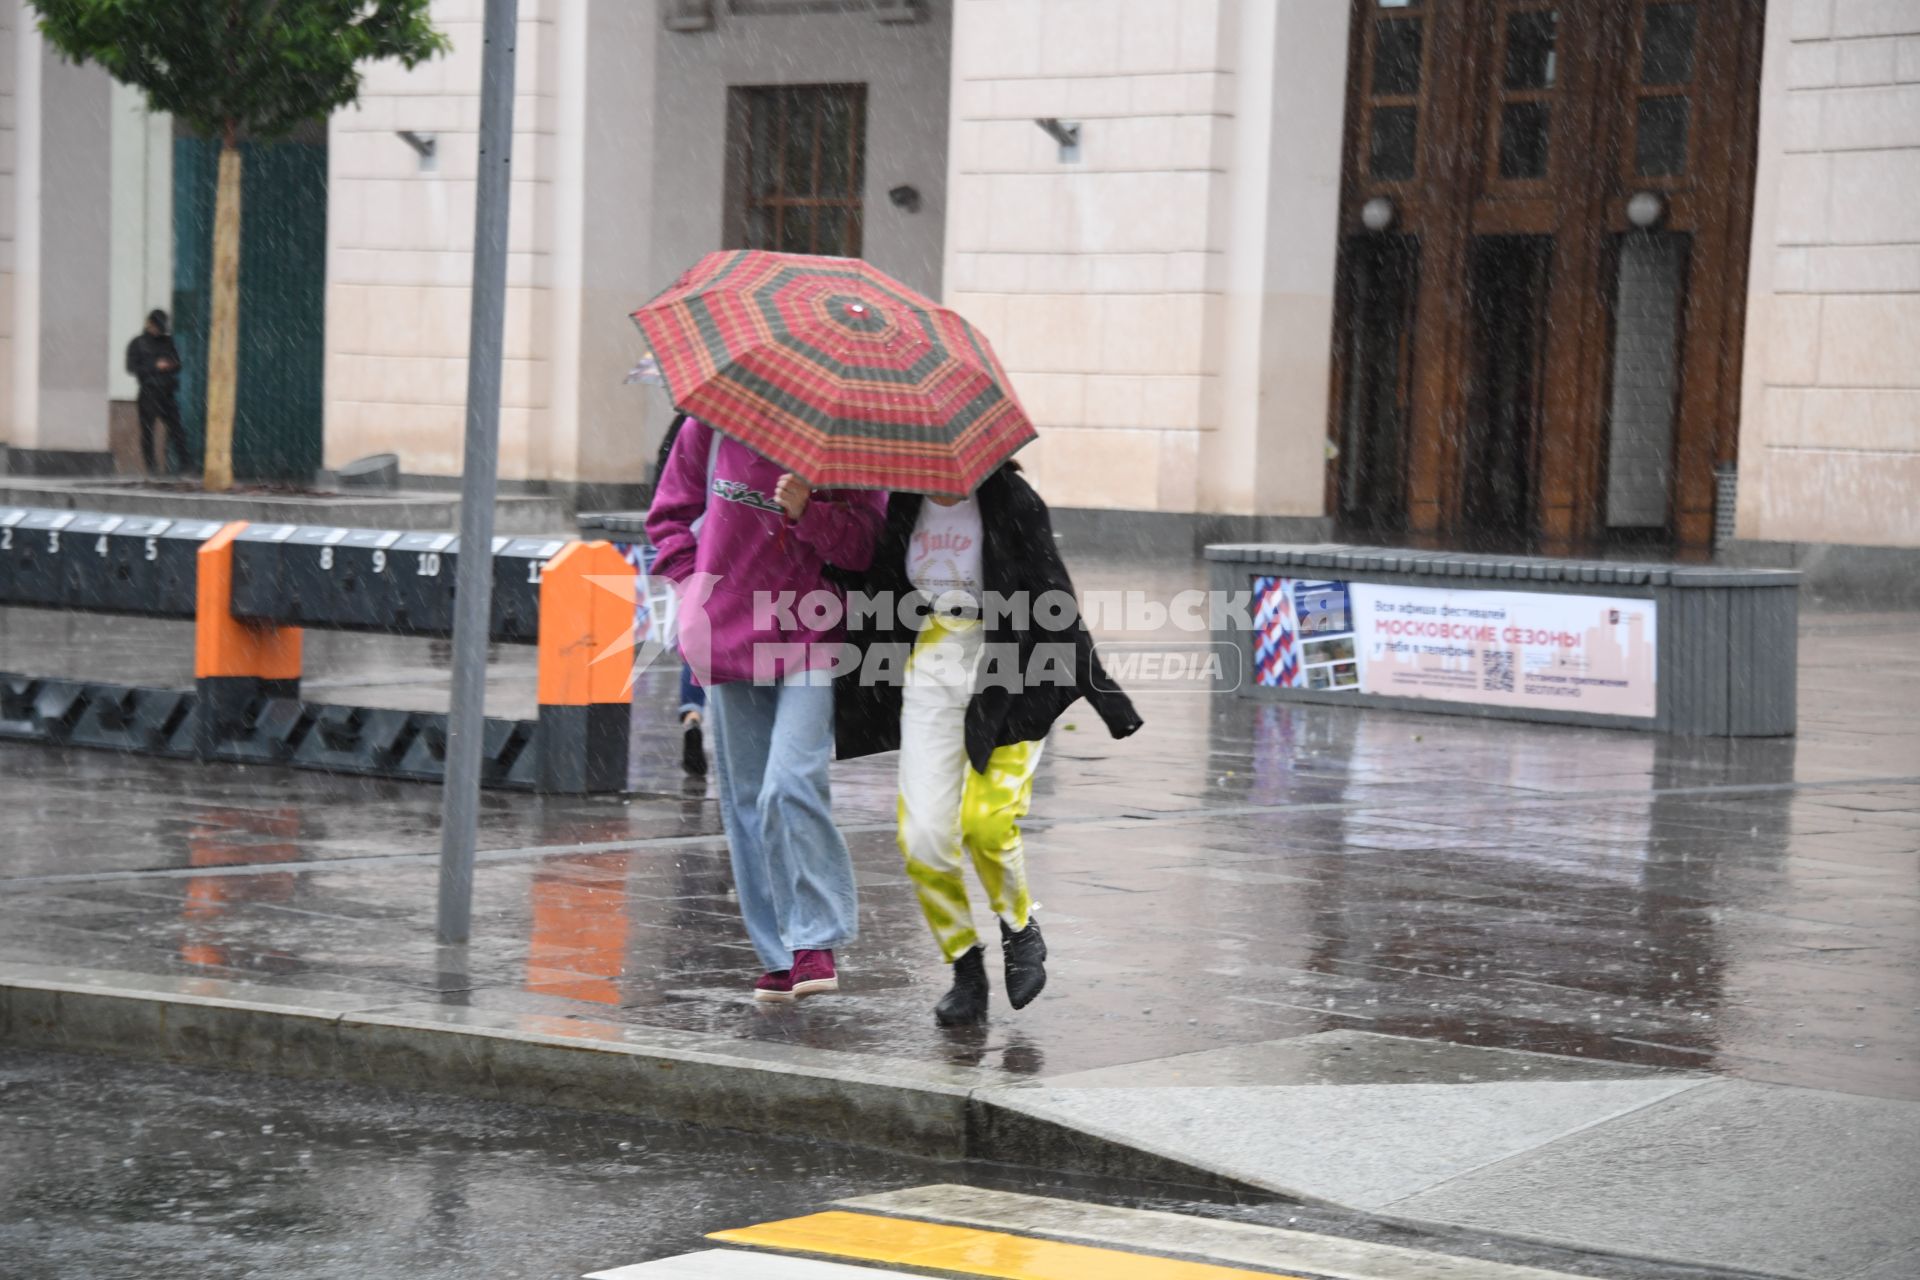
(121, 1169)
(117, 1170)
(1239, 872)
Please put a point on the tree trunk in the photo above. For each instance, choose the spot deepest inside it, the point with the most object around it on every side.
(223, 345)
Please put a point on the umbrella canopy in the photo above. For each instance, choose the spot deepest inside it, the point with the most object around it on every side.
(836, 371)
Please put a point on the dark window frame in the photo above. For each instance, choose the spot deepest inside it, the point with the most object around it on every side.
(792, 106)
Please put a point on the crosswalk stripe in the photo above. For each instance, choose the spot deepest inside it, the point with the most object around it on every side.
(1247, 1243)
(968, 1250)
(734, 1264)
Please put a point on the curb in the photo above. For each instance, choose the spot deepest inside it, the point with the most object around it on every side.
(698, 1079)
(772, 1088)
(948, 1113)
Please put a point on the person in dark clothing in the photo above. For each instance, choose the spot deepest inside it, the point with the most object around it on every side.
(693, 699)
(967, 686)
(154, 362)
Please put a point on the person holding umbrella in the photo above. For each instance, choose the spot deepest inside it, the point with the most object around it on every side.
(813, 383)
(734, 523)
(977, 569)
(851, 381)
(773, 357)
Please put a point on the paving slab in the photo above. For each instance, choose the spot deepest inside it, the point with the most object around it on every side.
(1900, 1266)
(1248, 1244)
(1361, 1146)
(1345, 1058)
(1789, 1182)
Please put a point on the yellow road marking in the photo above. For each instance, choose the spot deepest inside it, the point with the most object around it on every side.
(938, 1247)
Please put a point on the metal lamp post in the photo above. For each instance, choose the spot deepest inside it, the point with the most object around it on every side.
(473, 581)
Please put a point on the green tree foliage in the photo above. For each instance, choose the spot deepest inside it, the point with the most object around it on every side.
(228, 67)
(233, 69)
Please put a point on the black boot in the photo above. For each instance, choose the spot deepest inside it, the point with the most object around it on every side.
(1026, 953)
(966, 1003)
(693, 747)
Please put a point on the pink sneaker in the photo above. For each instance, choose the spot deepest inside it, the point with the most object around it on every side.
(775, 985)
(813, 973)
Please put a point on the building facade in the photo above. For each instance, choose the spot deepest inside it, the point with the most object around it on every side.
(1588, 275)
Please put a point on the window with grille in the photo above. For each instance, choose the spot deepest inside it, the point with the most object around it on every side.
(1391, 105)
(797, 163)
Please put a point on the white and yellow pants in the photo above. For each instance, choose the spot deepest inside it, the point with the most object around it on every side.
(946, 806)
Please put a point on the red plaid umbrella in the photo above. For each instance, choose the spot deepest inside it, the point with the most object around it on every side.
(836, 371)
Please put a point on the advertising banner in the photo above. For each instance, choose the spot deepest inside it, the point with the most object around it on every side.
(1590, 654)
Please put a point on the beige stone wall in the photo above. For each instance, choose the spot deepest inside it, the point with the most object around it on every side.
(1269, 455)
(10, 16)
(904, 67)
(1830, 433)
(603, 243)
(1164, 302)
(1099, 282)
(62, 206)
(400, 254)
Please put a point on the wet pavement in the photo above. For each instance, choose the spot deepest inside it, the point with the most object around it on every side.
(1239, 872)
(110, 1170)
(115, 1170)
(1716, 918)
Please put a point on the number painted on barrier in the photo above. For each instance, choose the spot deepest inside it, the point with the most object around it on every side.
(100, 546)
(326, 557)
(153, 549)
(534, 569)
(6, 539)
(379, 561)
(429, 564)
(53, 542)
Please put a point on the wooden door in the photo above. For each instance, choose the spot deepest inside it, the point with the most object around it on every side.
(1526, 356)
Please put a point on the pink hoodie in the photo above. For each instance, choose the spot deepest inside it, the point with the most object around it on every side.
(735, 557)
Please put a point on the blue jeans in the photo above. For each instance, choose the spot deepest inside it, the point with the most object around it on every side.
(692, 696)
(791, 867)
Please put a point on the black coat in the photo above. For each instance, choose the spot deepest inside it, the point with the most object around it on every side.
(666, 446)
(144, 355)
(1018, 555)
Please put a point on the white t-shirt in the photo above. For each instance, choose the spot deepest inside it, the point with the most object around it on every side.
(943, 556)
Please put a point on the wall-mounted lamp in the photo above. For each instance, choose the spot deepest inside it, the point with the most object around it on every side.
(1645, 209)
(425, 145)
(905, 197)
(1378, 213)
(1064, 132)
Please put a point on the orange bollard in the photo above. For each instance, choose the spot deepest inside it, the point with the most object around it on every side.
(586, 645)
(234, 662)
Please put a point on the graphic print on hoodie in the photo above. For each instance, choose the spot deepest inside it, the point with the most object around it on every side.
(745, 494)
(736, 560)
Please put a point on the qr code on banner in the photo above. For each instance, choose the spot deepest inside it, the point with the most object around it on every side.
(1496, 670)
